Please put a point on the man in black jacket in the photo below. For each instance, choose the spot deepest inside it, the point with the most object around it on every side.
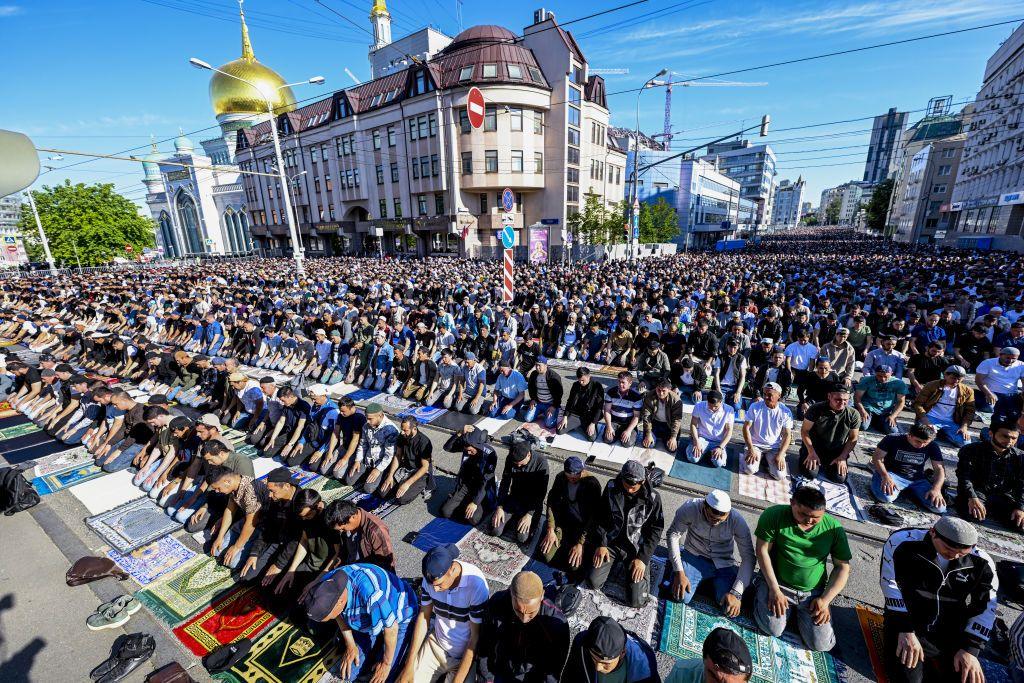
(545, 389)
(475, 491)
(585, 404)
(424, 373)
(524, 637)
(940, 602)
(702, 342)
(524, 484)
(572, 503)
(627, 527)
(990, 478)
(411, 470)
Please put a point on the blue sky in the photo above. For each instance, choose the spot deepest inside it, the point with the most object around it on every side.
(103, 76)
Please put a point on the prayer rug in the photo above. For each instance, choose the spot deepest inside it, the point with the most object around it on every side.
(51, 483)
(261, 467)
(423, 414)
(149, 563)
(455, 420)
(239, 614)
(285, 654)
(775, 660)
(871, 627)
(438, 532)
(659, 456)
(23, 441)
(363, 395)
(839, 498)
(491, 425)
(18, 430)
(540, 431)
(66, 460)
(40, 450)
(639, 620)
(764, 487)
(498, 558)
(132, 525)
(340, 389)
(373, 503)
(705, 475)
(573, 443)
(330, 489)
(176, 597)
(106, 493)
(12, 420)
(396, 403)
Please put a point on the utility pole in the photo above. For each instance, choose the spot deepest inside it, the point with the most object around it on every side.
(42, 235)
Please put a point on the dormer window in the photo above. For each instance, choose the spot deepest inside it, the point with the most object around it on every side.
(515, 71)
(466, 73)
(490, 70)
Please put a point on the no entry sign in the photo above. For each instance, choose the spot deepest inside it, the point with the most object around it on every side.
(475, 107)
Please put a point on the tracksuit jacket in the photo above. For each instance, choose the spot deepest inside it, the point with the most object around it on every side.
(922, 599)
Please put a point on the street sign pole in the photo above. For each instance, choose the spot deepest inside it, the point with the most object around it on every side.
(508, 240)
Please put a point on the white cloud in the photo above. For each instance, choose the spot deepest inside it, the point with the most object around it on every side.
(9, 10)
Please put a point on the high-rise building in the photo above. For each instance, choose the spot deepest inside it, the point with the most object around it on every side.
(926, 168)
(13, 248)
(827, 196)
(395, 166)
(987, 203)
(787, 204)
(753, 167)
(805, 209)
(885, 140)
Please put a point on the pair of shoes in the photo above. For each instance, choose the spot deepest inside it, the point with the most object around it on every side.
(112, 614)
(128, 653)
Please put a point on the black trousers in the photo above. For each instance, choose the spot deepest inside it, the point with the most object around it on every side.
(454, 508)
(937, 665)
(826, 464)
(998, 507)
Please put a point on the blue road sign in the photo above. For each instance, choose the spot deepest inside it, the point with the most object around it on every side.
(549, 221)
(508, 199)
(508, 237)
(636, 233)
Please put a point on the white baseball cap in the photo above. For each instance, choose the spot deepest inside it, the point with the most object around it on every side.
(718, 501)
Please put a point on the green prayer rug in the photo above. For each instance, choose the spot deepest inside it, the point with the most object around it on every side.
(18, 430)
(176, 597)
(775, 660)
(285, 654)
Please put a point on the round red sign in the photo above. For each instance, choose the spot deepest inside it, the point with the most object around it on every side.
(475, 107)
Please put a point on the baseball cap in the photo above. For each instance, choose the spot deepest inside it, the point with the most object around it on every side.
(439, 560)
(957, 532)
(767, 340)
(210, 420)
(956, 370)
(573, 465)
(775, 386)
(728, 651)
(470, 355)
(884, 368)
(542, 360)
(718, 501)
(633, 472)
(322, 599)
(605, 637)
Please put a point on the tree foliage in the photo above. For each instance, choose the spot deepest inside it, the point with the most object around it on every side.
(878, 207)
(809, 219)
(92, 219)
(658, 222)
(832, 211)
(597, 223)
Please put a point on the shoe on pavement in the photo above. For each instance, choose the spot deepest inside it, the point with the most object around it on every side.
(113, 614)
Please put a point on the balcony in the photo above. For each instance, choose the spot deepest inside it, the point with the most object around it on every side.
(501, 180)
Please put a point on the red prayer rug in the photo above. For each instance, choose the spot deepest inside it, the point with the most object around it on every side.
(239, 614)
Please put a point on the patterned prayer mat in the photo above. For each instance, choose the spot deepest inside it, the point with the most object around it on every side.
(132, 525)
(363, 395)
(149, 563)
(66, 460)
(18, 430)
(775, 660)
(396, 403)
(373, 503)
(640, 620)
(330, 489)
(237, 615)
(284, 654)
(438, 532)
(423, 414)
(499, 559)
(839, 499)
(763, 487)
(176, 597)
(58, 481)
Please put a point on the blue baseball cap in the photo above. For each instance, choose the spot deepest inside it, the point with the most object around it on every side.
(542, 360)
(438, 561)
(573, 465)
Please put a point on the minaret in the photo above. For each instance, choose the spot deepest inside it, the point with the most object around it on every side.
(381, 19)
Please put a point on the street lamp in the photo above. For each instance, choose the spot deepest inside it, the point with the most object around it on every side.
(633, 247)
(293, 181)
(315, 80)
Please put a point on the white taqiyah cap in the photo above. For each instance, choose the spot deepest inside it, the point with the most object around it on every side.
(718, 501)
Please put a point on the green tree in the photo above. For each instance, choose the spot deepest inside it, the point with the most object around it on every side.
(658, 222)
(597, 223)
(832, 211)
(92, 219)
(809, 219)
(878, 207)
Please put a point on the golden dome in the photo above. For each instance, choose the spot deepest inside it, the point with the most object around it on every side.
(230, 96)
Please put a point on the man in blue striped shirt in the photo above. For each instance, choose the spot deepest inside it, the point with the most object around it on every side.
(366, 601)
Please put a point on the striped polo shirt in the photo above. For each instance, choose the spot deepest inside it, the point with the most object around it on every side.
(377, 599)
(454, 609)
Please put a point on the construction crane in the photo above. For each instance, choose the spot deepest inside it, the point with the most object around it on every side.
(669, 84)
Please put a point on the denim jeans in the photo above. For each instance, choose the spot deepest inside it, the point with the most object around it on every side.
(146, 476)
(918, 488)
(950, 431)
(123, 460)
(498, 405)
(696, 451)
(539, 408)
(698, 569)
(817, 637)
(983, 405)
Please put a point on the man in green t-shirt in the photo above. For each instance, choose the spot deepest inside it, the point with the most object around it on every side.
(793, 544)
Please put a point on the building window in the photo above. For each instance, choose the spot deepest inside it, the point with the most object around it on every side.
(355, 173)
(464, 125)
(535, 75)
(572, 175)
(327, 182)
(467, 163)
(380, 174)
(398, 208)
(949, 153)
(383, 208)
(933, 206)
(538, 122)
(574, 116)
(517, 161)
(435, 165)
(394, 171)
(575, 96)
(412, 129)
(421, 123)
(945, 169)
(491, 118)
(574, 137)
(376, 139)
(938, 189)
(573, 156)
(516, 118)
(439, 204)
(392, 138)
(421, 202)
(491, 161)
(515, 71)
(316, 184)
(323, 152)
(466, 73)
(572, 193)
(432, 121)
(312, 158)
(483, 203)
(519, 202)
(424, 167)
(490, 70)
(538, 162)
(415, 168)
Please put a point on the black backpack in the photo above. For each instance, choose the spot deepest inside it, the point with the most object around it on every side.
(16, 494)
(563, 594)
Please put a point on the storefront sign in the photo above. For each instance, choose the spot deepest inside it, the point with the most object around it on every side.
(1011, 198)
(538, 244)
(326, 228)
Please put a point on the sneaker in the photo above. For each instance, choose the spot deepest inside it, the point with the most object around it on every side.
(885, 515)
(114, 613)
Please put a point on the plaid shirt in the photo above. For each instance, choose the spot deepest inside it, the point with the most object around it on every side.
(376, 599)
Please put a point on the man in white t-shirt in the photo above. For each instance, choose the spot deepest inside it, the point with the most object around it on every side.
(800, 357)
(767, 432)
(998, 378)
(454, 593)
(710, 429)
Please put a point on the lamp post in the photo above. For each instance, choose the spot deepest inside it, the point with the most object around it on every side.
(292, 227)
(42, 235)
(293, 181)
(633, 246)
